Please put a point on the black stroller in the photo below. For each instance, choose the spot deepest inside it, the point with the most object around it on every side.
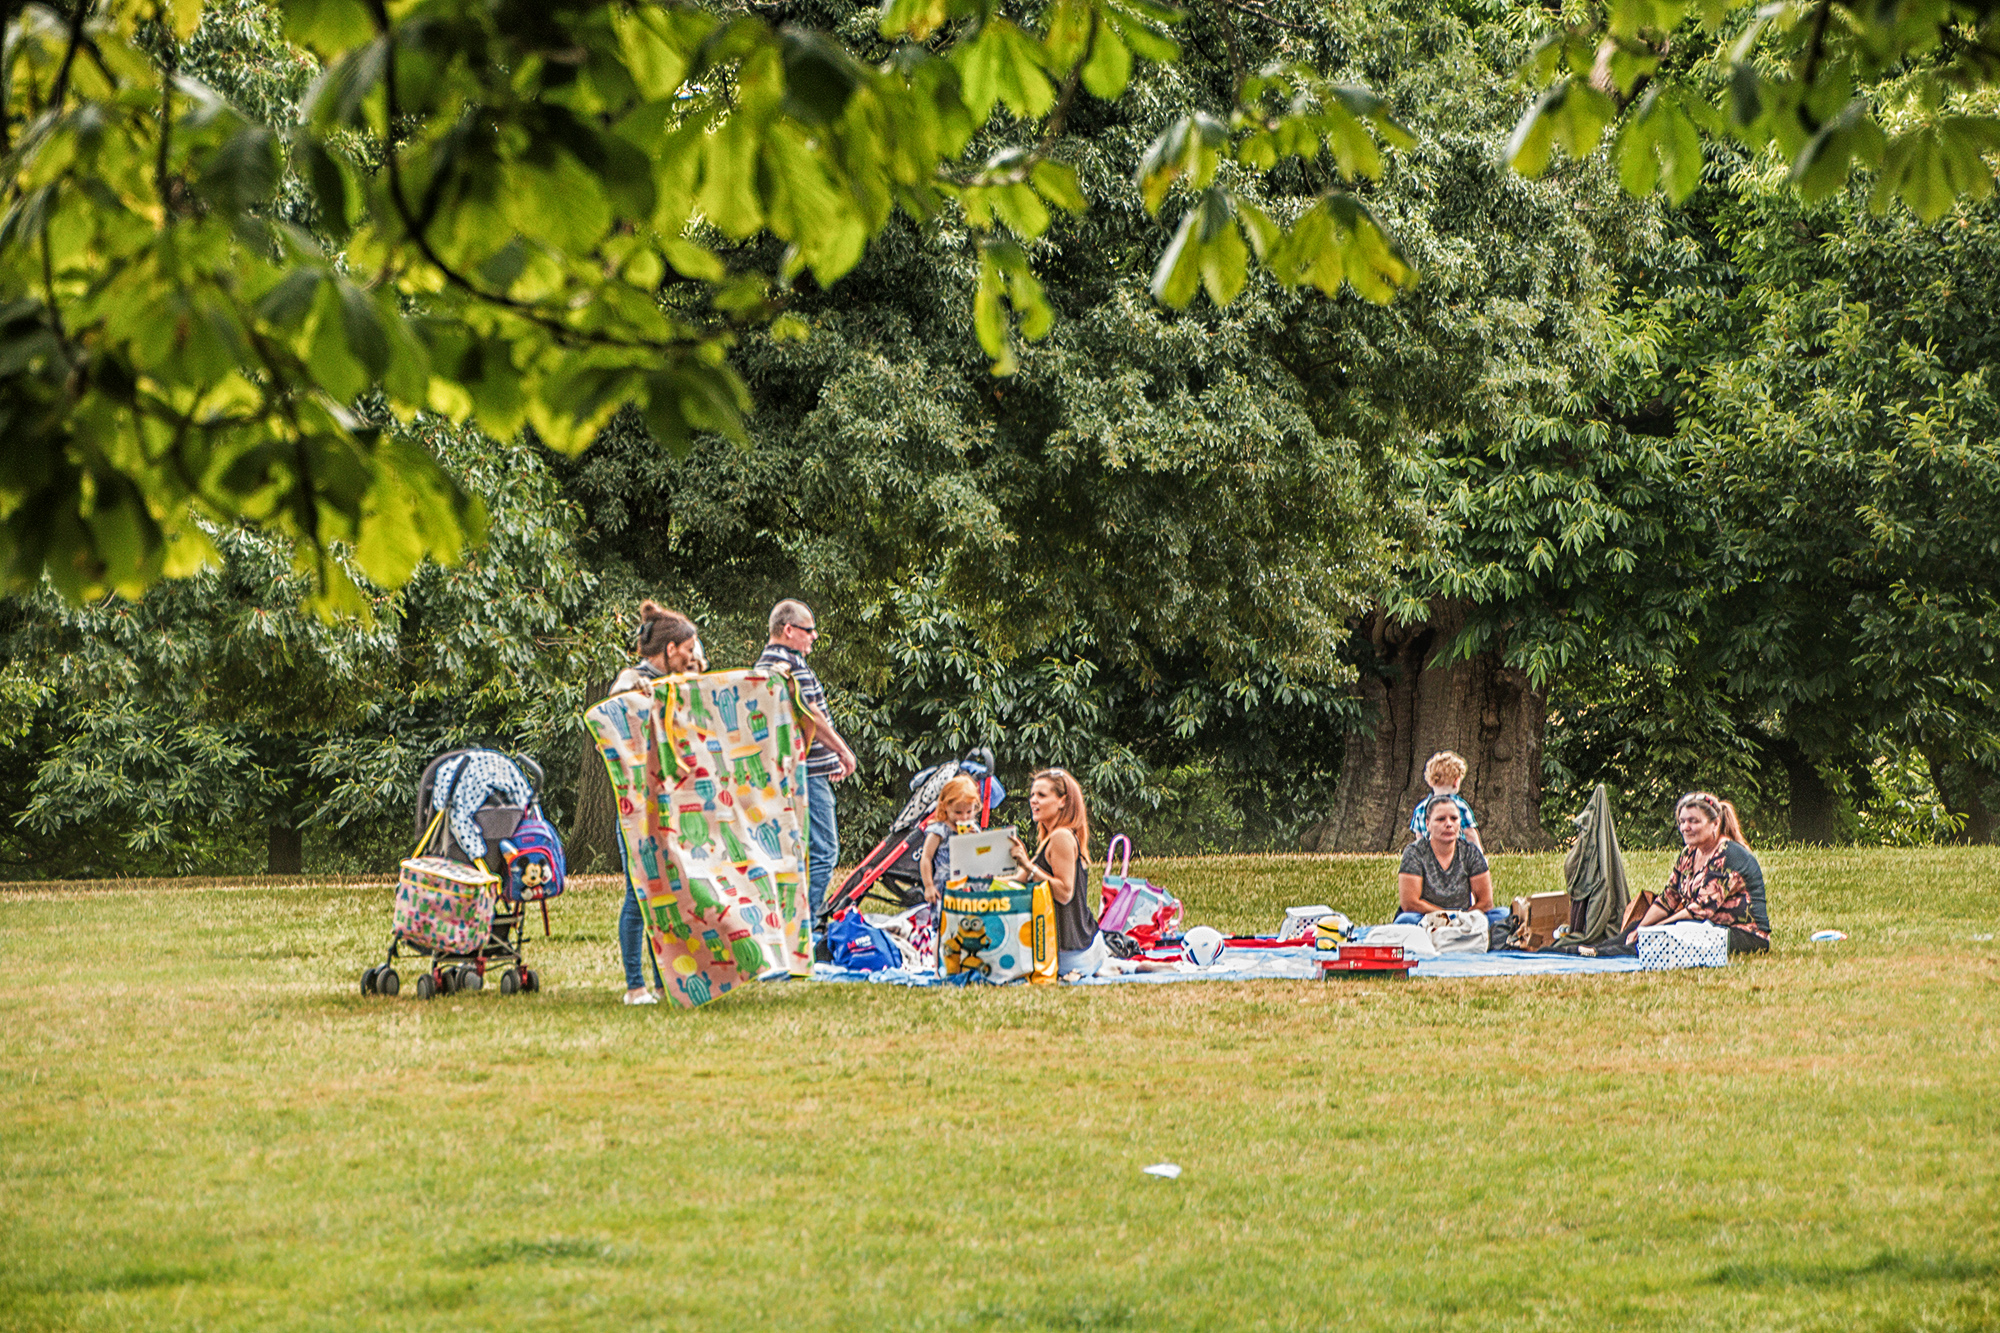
(487, 796)
(890, 871)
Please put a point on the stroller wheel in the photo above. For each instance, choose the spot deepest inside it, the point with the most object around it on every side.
(426, 987)
(387, 981)
(510, 981)
(469, 979)
(368, 982)
(530, 981)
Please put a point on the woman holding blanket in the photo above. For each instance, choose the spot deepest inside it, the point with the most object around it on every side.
(1715, 879)
(668, 645)
(1062, 857)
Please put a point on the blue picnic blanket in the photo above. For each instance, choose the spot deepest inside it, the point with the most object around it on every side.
(1510, 964)
(1297, 964)
(1302, 965)
(888, 976)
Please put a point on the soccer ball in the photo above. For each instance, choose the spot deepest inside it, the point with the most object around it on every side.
(1202, 945)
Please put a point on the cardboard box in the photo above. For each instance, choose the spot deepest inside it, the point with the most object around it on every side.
(1540, 914)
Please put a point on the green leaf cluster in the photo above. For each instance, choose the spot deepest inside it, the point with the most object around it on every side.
(169, 733)
(1287, 113)
(210, 305)
(1757, 532)
(1903, 92)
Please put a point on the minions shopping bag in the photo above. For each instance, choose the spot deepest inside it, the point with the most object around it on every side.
(997, 930)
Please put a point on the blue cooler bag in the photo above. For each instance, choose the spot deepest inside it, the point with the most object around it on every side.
(858, 946)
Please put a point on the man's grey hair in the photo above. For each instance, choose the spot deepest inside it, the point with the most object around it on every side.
(789, 612)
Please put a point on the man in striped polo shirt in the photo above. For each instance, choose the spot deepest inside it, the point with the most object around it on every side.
(794, 630)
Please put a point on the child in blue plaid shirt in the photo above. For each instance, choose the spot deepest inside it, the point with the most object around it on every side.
(1444, 772)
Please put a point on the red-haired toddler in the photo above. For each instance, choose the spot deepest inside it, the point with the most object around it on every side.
(957, 812)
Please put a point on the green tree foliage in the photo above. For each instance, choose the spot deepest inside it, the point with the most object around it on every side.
(185, 721)
(274, 278)
(1905, 90)
(1181, 760)
(520, 214)
(528, 215)
(1740, 547)
(1139, 554)
(1820, 588)
(218, 717)
(1850, 438)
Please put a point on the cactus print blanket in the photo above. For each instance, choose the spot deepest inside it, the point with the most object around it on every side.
(707, 771)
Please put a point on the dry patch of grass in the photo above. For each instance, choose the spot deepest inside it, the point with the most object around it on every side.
(204, 1124)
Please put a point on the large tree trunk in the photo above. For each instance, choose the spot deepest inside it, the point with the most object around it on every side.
(1485, 710)
(591, 846)
(284, 847)
(1814, 813)
(1959, 784)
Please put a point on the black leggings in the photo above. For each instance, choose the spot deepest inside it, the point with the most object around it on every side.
(1746, 941)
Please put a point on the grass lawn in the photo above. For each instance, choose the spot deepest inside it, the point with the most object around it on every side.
(203, 1124)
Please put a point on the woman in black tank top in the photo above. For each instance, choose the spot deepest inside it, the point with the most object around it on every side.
(1061, 856)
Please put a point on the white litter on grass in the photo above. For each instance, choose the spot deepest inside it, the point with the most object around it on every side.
(1982, 937)
(1164, 1170)
(1828, 936)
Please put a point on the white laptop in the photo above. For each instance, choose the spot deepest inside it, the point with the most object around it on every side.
(986, 854)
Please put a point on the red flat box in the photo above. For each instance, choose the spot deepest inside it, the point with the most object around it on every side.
(1386, 958)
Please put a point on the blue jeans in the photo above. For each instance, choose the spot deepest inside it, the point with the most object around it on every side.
(1494, 915)
(632, 933)
(824, 853)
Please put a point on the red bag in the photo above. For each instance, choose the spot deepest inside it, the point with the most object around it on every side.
(1141, 911)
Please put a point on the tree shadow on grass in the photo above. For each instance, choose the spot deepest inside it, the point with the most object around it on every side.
(144, 1277)
(1886, 1265)
(552, 1251)
(135, 1277)
(1075, 1318)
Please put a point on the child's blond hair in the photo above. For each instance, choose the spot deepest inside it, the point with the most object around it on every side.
(955, 790)
(1446, 768)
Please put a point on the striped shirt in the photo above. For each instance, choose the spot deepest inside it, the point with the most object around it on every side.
(821, 761)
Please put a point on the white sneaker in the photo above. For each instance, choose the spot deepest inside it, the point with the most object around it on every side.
(643, 997)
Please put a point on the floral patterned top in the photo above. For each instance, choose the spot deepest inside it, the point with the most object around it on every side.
(1725, 888)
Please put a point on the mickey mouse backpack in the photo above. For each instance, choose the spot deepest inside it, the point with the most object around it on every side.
(533, 856)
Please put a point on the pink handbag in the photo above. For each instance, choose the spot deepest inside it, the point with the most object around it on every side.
(1132, 906)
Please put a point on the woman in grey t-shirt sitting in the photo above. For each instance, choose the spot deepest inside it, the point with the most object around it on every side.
(1441, 872)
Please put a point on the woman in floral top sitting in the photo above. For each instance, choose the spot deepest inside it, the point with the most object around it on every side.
(1715, 879)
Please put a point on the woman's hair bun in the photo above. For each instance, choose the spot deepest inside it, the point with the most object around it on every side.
(659, 627)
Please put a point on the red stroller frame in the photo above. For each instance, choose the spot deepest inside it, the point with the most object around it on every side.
(891, 868)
